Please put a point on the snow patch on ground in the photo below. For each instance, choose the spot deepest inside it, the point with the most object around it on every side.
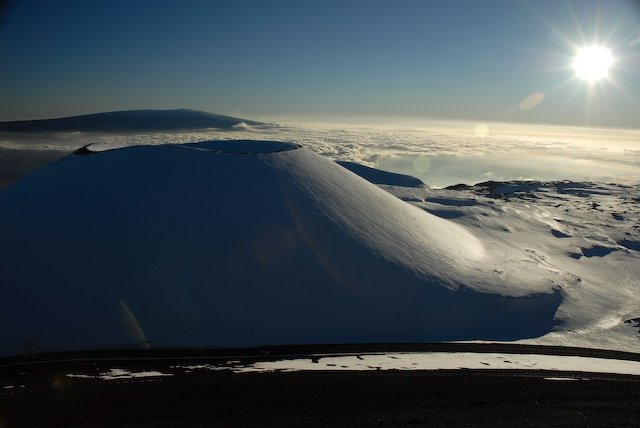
(433, 361)
(120, 374)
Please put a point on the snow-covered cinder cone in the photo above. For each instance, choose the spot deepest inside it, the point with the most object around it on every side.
(240, 243)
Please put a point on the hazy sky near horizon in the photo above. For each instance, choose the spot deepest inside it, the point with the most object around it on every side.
(493, 60)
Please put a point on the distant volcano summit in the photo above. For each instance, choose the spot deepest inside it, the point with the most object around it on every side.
(129, 121)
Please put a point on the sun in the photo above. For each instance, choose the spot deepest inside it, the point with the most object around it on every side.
(592, 63)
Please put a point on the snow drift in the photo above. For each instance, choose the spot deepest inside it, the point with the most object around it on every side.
(243, 243)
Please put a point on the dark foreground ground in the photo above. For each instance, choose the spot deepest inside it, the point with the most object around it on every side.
(319, 399)
(40, 393)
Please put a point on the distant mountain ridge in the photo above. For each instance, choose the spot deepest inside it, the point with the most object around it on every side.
(129, 121)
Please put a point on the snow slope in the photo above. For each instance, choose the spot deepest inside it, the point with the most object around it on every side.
(246, 243)
(590, 231)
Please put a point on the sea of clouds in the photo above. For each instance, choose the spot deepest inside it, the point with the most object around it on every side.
(439, 153)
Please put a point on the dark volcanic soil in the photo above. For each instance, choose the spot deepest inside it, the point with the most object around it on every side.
(41, 394)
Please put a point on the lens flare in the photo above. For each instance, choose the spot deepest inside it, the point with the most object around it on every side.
(481, 130)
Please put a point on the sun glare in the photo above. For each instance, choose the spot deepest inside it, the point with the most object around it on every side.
(592, 63)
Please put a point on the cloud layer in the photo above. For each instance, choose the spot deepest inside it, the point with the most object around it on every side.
(440, 153)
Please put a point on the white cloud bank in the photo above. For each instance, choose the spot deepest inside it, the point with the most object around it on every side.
(440, 153)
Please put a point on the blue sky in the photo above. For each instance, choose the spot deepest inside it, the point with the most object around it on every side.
(475, 60)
